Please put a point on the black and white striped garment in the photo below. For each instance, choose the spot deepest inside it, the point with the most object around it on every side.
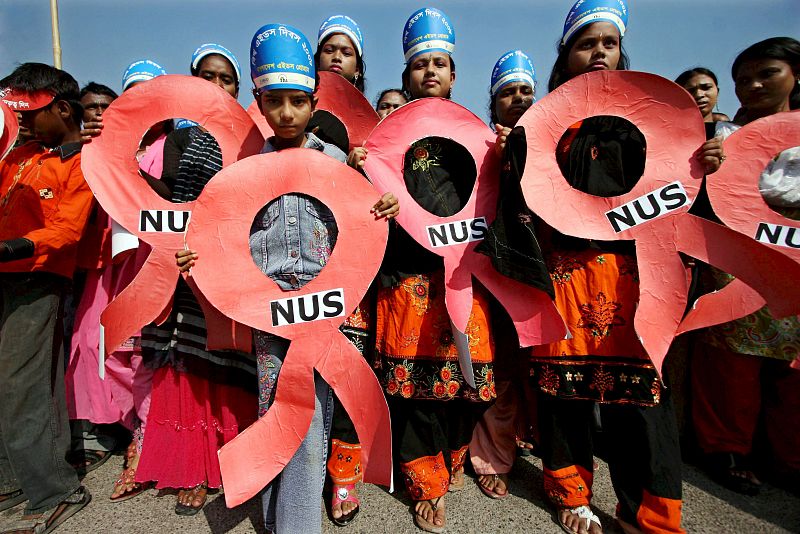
(191, 158)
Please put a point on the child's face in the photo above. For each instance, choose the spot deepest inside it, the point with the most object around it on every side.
(431, 75)
(47, 124)
(339, 55)
(287, 111)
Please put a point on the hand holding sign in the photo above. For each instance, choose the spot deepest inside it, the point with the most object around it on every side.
(309, 317)
(454, 238)
(654, 213)
(112, 172)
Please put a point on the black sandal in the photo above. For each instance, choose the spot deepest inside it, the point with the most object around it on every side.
(10, 500)
(722, 466)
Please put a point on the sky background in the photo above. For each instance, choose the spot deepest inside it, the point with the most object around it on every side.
(99, 38)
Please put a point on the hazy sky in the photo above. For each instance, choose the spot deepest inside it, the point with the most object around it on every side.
(99, 38)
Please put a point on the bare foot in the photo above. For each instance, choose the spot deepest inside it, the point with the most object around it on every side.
(343, 508)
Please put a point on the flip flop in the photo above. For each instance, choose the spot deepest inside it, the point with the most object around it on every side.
(10, 500)
(424, 524)
(128, 477)
(583, 512)
(48, 521)
(490, 493)
(344, 493)
(94, 459)
(188, 509)
(457, 486)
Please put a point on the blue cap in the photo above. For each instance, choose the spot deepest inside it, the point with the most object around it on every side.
(208, 49)
(588, 11)
(428, 30)
(140, 71)
(179, 124)
(513, 66)
(344, 25)
(281, 58)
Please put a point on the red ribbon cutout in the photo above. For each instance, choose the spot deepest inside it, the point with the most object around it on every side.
(341, 99)
(228, 276)
(735, 184)
(534, 315)
(669, 120)
(111, 170)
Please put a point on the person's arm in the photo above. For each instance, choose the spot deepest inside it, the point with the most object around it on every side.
(65, 227)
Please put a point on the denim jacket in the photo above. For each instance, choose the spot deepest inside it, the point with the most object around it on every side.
(292, 237)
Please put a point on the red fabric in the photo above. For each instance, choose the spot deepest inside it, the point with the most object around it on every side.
(659, 515)
(731, 391)
(569, 487)
(192, 414)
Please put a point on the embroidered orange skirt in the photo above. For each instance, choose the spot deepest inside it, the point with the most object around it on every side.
(596, 293)
(417, 355)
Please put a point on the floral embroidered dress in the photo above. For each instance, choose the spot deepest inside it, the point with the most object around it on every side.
(433, 409)
(596, 289)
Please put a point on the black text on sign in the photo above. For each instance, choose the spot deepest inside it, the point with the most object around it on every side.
(776, 234)
(168, 221)
(457, 232)
(307, 308)
(648, 207)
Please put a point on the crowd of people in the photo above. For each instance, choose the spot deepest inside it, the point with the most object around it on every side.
(171, 403)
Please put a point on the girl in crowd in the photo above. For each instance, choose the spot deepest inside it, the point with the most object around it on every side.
(340, 50)
(743, 372)
(389, 100)
(201, 399)
(596, 289)
(493, 445)
(291, 502)
(433, 410)
(702, 84)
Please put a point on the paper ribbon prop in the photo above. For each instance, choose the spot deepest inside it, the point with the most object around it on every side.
(309, 317)
(9, 131)
(454, 238)
(734, 195)
(654, 213)
(112, 172)
(340, 98)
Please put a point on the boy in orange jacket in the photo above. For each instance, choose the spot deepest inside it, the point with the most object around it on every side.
(44, 205)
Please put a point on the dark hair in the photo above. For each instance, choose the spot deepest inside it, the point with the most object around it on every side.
(31, 77)
(98, 89)
(196, 71)
(780, 48)
(359, 81)
(559, 73)
(407, 73)
(687, 75)
(386, 92)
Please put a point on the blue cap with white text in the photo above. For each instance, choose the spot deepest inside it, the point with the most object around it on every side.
(428, 30)
(588, 11)
(141, 71)
(344, 25)
(513, 66)
(208, 49)
(281, 58)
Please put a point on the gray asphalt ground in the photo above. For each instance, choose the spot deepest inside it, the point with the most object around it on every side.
(707, 508)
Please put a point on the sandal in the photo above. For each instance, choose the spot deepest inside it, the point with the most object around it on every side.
(457, 481)
(48, 521)
(490, 492)
(10, 500)
(583, 512)
(87, 460)
(198, 492)
(732, 471)
(128, 485)
(423, 523)
(344, 493)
